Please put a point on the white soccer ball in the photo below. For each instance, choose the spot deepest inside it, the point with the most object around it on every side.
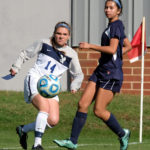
(48, 86)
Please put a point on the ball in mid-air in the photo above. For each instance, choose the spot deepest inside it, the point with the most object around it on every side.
(48, 86)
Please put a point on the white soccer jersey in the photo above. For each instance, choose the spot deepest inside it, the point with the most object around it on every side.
(51, 61)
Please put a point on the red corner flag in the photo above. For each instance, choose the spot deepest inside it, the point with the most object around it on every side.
(136, 52)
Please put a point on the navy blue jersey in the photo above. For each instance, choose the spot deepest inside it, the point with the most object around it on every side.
(51, 61)
(56, 55)
(110, 66)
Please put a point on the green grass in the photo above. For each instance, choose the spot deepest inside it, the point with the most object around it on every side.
(94, 136)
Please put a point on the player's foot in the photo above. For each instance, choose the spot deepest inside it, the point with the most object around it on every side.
(23, 136)
(124, 140)
(39, 147)
(65, 143)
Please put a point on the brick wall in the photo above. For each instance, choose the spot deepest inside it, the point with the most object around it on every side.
(132, 72)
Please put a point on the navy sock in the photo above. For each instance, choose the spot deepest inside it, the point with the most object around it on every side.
(77, 125)
(113, 124)
(38, 134)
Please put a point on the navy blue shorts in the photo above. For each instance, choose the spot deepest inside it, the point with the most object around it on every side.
(112, 84)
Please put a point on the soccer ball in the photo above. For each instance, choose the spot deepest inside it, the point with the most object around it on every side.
(48, 86)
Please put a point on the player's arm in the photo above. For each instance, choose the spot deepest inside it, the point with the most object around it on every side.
(12, 72)
(111, 49)
(126, 46)
(25, 55)
(76, 74)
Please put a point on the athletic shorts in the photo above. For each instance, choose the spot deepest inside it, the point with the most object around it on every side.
(112, 84)
(30, 87)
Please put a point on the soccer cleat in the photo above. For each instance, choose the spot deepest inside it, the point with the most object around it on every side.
(65, 143)
(39, 147)
(124, 140)
(23, 137)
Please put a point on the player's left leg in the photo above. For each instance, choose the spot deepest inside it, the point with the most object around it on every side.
(22, 132)
(104, 97)
(22, 136)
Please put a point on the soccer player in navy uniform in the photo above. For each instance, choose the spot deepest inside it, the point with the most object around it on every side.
(106, 80)
(54, 57)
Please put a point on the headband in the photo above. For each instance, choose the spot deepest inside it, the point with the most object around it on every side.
(118, 3)
(63, 25)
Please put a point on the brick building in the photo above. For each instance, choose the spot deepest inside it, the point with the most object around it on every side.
(132, 71)
(90, 28)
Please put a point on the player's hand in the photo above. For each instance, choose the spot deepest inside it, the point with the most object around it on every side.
(12, 72)
(84, 45)
(73, 91)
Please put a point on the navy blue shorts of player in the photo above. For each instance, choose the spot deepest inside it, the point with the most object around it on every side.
(111, 84)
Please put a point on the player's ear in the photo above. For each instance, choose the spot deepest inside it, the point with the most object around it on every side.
(68, 37)
(119, 11)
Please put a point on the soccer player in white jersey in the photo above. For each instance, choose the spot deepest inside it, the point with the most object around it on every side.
(54, 56)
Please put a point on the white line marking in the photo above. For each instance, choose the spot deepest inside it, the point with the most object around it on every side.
(80, 145)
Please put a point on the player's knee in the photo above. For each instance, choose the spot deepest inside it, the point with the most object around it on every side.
(99, 113)
(53, 121)
(82, 106)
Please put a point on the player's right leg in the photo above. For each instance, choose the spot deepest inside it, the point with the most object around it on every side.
(66, 143)
(80, 117)
(42, 105)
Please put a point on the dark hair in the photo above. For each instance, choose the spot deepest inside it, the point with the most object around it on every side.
(59, 24)
(121, 9)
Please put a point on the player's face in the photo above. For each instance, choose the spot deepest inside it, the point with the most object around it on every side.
(61, 36)
(111, 11)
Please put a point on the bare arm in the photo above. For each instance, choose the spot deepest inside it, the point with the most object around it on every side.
(111, 49)
(126, 46)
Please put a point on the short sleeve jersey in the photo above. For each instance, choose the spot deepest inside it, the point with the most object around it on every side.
(110, 66)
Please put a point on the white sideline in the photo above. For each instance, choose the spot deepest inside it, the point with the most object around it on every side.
(133, 143)
(80, 145)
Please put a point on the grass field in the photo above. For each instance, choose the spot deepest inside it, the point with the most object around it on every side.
(95, 135)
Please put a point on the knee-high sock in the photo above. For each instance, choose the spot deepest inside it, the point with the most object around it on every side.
(31, 127)
(113, 124)
(28, 127)
(40, 126)
(77, 125)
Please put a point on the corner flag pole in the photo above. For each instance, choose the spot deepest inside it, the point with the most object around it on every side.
(142, 80)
